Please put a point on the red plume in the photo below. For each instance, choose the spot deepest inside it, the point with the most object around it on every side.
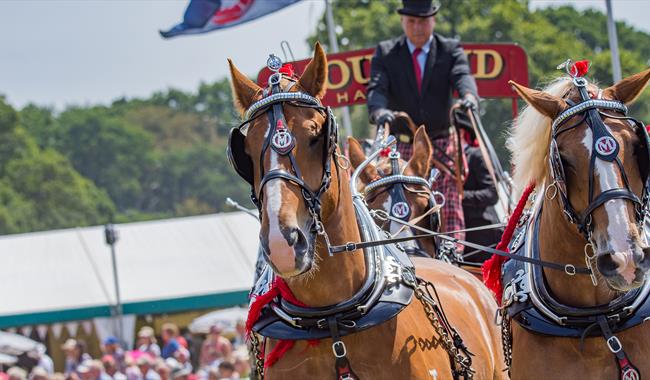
(287, 69)
(580, 68)
(492, 267)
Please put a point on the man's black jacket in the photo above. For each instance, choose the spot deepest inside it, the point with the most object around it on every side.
(392, 82)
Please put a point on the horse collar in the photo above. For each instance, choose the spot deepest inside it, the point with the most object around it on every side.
(392, 294)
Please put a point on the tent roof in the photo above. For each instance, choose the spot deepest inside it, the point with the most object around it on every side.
(163, 266)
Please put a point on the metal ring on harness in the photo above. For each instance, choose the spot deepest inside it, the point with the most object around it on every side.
(551, 186)
(339, 345)
(435, 194)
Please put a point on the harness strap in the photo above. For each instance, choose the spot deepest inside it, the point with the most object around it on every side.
(569, 269)
(627, 370)
(342, 364)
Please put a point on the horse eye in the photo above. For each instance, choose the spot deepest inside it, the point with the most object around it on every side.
(566, 164)
(316, 138)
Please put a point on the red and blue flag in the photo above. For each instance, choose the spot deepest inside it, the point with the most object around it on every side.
(202, 16)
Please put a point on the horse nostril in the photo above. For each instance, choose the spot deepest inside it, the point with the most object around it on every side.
(295, 238)
(606, 265)
(291, 235)
(302, 245)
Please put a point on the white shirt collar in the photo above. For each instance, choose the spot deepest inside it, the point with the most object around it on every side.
(425, 48)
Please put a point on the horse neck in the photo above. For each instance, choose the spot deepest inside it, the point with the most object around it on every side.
(560, 242)
(334, 278)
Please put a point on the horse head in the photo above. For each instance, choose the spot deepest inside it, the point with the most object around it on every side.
(596, 166)
(400, 197)
(288, 146)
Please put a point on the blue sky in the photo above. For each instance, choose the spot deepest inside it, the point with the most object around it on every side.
(60, 53)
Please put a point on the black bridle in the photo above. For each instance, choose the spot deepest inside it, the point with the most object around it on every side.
(282, 140)
(397, 184)
(606, 148)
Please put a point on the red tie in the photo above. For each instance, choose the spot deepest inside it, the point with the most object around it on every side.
(417, 68)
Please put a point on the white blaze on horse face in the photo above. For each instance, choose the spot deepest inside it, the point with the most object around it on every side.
(618, 223)
(281, 253)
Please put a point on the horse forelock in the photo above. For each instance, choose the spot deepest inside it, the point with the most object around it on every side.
(529, 140)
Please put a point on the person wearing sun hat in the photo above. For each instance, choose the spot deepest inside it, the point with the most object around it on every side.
(417, 73)
(75, 354)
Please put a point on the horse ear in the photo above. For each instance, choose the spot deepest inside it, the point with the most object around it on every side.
(244, 90)
(628, 89)
(314, 78)
(419, 165)
(546, 104)
(357, 156)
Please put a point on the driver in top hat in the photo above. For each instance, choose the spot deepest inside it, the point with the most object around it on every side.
(417, 73)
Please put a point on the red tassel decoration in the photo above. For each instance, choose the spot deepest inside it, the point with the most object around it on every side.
(287, 69)
(278, 288)
(278, 352)
(385, 152)
(580, 68)
(491, 268)
(258, 304)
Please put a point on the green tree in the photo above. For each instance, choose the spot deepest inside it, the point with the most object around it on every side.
(196, 178)
(39, 124)
(60, 196)
(170, 128)
(17, 214)
(107, 149)
(39, 189)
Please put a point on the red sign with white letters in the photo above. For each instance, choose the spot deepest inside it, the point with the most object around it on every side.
(492, 65)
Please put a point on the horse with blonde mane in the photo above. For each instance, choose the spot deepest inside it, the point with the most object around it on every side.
(361, 314)
(580, 313)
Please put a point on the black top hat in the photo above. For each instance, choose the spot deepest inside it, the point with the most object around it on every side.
(419, 8)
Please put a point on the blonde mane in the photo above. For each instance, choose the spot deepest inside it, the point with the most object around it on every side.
(529, 140)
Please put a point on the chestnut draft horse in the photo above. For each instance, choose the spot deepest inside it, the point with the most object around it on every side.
(589, 163)
(402, 190)
(343, 315)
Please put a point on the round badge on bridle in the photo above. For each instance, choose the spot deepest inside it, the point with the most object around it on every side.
(282, 141)
(606, 145)
(400, 210)
(631, 374)
(274, 63)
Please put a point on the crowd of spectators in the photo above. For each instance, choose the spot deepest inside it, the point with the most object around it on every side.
(217, 358)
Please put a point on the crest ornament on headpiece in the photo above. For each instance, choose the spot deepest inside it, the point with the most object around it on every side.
(274, 63)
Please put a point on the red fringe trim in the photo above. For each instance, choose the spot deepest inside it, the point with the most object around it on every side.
(278, 352)
(256, 306)
(278, 288)
(491, 268)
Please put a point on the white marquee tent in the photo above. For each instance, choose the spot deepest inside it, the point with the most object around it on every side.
(163, 266)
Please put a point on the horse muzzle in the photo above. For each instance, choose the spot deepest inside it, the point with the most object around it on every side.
(624, 271)
(291, 253)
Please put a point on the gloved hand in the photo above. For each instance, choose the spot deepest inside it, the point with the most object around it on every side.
(469, 101)
(384, 116)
